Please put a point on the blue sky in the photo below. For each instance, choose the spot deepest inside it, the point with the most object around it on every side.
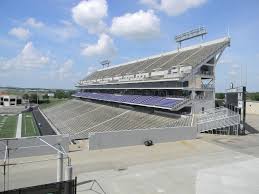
(53, 44)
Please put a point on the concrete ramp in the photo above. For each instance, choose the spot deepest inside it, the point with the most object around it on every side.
(219, 119)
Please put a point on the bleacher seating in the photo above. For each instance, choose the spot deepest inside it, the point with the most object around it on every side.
(151, 101)
(186, 121)
(186, 57)
(78, 118)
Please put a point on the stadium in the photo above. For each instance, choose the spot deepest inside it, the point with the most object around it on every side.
(166, 100)
(165, 91)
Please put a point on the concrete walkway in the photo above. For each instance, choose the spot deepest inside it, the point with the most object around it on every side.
(19, 127)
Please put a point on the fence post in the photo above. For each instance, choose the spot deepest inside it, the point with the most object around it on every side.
(60, 167)
(69, 171)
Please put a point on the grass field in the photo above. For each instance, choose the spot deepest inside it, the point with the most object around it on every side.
(29, 126)
(52, 102)
(8, 126)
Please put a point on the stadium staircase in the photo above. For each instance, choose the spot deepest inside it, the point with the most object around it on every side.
(219, 119)
(182, 104)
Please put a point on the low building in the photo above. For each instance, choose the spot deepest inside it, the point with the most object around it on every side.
(10, 100)
(51, 94)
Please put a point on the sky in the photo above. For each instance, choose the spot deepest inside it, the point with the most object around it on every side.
(55, 43)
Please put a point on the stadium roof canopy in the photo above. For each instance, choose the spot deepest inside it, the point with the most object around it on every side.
(185, 57)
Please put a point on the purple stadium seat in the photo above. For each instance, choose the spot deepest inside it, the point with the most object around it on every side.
(131, 99)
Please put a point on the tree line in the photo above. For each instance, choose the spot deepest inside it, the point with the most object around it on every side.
(249, 96)
(44, 98)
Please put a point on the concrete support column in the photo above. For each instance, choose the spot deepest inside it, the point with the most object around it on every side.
(69, 173)
(60, 167)
(68, 178)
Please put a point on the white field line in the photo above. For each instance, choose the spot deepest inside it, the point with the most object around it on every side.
(2, 123)
(19, 127)
(25, 125)
(33, 127)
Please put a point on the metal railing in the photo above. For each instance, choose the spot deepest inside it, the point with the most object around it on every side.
(217, 118)
(181, 104)
(64, 187)
(218, 123)
(207, 86)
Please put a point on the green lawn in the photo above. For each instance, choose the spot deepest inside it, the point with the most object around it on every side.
(8, 126)
(29, 126)
(52, 102)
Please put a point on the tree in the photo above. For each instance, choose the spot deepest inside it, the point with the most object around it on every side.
(70, 93)
(33, 98)
(220, 95)
(60, 94)
(254, 96)
(25, 96)
(45, 97)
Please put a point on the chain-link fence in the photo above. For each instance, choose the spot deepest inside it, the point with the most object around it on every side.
(26, 162)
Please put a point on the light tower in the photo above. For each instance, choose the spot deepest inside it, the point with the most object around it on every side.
(201, 31)
(105, 63)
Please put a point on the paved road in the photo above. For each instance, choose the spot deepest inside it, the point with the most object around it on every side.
(45, 128)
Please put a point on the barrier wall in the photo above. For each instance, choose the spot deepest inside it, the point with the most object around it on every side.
(202, 105)
(33, 146)
(103, 140)
(252, 107)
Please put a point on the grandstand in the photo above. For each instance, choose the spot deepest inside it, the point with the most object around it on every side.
(79, 118)
(169, 81)
(148, 93)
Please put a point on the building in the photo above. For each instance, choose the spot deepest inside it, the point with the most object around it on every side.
(9, 100)
(167, 97)
(180, 81)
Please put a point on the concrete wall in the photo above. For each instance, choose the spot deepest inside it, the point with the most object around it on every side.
(103, 140)
(199, 104)
(32, 146)
(252, 107)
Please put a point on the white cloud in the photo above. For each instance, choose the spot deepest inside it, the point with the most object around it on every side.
(151, 3)
(91, 69)
(104, 47)
(32, 22)
(20, 33)
(233, 73)
(90, 14)
(64, 31)
(173, 7)
(228, 59)
(235, 66)
(28, 58)
(65, 70)
(139, 25)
